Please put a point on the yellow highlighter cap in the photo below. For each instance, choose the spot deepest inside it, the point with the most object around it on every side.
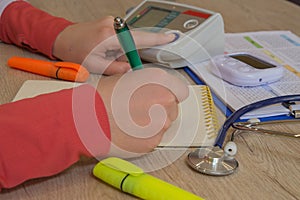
(114, 171)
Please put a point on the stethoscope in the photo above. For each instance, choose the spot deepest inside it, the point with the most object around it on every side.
(216, 161)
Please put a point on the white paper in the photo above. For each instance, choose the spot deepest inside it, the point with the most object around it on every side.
(281, 46)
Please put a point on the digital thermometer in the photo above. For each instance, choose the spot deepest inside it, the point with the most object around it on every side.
(200, 32)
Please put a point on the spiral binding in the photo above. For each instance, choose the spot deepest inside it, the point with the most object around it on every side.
(210, 114)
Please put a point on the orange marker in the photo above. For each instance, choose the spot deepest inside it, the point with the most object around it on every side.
(60, 70)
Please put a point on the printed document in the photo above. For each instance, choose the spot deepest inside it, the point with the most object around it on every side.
(281, 46)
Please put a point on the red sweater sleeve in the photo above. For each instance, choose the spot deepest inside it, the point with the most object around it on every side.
(26, 26)
(44, 135)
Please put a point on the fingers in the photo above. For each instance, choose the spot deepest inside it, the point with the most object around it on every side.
(145, 39)
(80, 41)
(117, 67)
(171, 107)
(107, 21)
(142, 38)
(152, 95)
(163, 78)
(98, 64)
(177, 87)
(149, 87)
(131, 99)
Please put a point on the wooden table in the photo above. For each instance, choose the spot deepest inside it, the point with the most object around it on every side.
(269, 166)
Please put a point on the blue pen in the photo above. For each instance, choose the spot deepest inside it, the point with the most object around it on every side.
(127, 43)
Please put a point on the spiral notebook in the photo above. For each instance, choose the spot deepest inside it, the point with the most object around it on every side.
(196, 124)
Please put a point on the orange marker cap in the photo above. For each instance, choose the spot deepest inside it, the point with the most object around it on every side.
(71, 71)
(60, 70)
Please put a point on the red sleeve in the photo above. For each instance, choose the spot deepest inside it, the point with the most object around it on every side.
(44, 135)
(26, 26)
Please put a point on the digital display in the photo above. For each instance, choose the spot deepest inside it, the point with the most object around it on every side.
(151, 18)
(253, 61)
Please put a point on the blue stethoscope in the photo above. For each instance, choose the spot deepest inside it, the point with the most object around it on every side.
(217, 161)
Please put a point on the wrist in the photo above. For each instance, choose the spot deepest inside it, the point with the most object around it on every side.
(61, 46)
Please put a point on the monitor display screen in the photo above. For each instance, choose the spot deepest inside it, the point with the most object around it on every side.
(151, 17)
(253, 61)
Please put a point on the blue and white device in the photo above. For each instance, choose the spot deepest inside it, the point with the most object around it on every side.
(200, 32)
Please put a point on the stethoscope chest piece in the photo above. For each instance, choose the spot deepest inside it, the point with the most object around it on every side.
(212, 161)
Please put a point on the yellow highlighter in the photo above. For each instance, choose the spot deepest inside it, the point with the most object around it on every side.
(131, 179)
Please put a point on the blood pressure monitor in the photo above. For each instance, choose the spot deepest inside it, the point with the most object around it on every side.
(200, 32)
(246, 69)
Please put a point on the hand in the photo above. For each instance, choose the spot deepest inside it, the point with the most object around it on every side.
(77, 43)
(141, 129)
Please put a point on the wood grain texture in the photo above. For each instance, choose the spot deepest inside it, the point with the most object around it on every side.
(269, 166)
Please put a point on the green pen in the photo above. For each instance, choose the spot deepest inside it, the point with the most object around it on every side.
(127, 43)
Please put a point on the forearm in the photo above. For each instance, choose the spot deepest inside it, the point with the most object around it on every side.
(42, 136)
(28, 27)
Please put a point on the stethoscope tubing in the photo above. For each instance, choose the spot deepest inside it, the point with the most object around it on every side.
(237, 114)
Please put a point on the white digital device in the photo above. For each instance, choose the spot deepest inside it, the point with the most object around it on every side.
(246, 69)
(200, 32)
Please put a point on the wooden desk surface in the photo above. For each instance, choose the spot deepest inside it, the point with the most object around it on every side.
(269, 166)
